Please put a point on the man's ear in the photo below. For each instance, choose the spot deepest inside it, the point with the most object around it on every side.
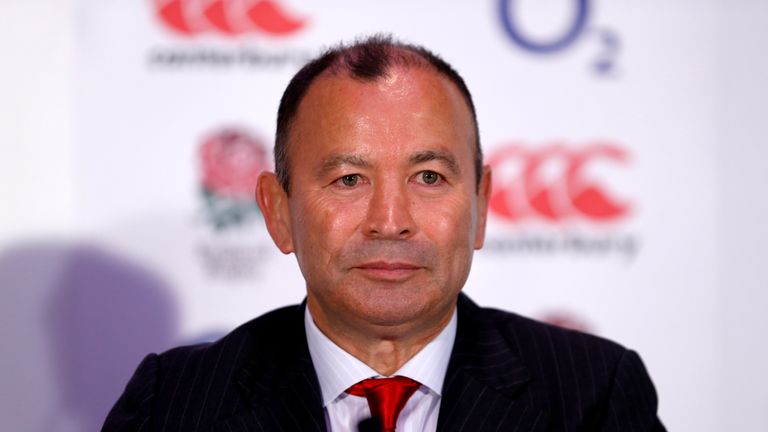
(273, 202)
(483, 197)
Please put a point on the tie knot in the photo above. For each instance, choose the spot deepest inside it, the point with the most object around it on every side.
(386, 397)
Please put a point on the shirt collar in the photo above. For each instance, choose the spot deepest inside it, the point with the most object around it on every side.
(337, 370)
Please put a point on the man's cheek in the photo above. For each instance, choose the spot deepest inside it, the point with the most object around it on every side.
(345, 218)
(443, 220)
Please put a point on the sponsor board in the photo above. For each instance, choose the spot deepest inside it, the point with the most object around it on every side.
(547, 203)
(223, 34)
(229, 18)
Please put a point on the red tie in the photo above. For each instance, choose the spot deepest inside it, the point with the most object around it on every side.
(386, 397)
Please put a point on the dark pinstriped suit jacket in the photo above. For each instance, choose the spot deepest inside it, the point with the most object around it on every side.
(506, 373)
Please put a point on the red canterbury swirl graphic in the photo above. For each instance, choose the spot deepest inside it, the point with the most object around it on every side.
(228, 17)
(525, 185)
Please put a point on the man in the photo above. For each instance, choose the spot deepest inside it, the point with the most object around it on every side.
(381, 194)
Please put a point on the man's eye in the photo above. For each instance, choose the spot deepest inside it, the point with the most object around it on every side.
(350, 180)
(429, 177)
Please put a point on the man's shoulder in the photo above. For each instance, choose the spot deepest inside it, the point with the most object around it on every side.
(576, 381)
(192, 386)
(263, 334)
(533, 340)
(515, 322)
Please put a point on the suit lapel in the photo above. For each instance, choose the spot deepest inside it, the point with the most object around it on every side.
(485, 382)
(280, 385)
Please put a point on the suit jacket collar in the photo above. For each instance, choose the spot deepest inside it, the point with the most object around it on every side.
(277, 379)
(485, 378)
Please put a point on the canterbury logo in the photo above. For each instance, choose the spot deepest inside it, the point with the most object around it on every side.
(550, 184)
(229, 17)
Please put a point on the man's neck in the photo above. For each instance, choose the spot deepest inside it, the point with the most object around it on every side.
(384, 349)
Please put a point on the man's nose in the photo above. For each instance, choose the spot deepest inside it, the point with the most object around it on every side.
(389, 213)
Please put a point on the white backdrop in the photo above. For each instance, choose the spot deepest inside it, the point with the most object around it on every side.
(627, 167)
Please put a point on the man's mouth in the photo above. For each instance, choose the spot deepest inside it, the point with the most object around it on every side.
(388, 270)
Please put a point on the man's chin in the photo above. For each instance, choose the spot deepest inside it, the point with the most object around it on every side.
(398, 315)
(383, 307)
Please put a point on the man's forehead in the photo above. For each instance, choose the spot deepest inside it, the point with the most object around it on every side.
(402, 90)
(366, 124)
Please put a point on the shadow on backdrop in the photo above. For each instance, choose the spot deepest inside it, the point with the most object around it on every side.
(76, 321)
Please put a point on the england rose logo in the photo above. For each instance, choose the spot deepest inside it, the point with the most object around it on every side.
(231, 160)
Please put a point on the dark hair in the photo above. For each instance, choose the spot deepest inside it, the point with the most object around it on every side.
(365, 60)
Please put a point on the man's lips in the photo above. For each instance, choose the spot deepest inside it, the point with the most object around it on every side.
(388, 270)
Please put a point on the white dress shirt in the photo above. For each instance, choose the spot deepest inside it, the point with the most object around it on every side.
(337, 370)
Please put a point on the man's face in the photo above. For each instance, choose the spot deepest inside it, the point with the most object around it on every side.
(384, 213)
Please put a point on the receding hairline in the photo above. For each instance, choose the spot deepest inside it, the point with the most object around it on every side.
(341, 73)
(396, 55)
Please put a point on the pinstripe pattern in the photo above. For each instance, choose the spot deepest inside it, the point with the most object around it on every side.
(506, 373)
(510, 373)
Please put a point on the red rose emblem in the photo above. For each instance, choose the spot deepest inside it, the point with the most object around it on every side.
(231, 163)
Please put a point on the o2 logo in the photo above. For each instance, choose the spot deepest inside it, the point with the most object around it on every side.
(608, 41)
(550, 184)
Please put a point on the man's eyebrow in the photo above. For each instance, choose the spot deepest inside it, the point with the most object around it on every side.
(334, 161)
(443, 156)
